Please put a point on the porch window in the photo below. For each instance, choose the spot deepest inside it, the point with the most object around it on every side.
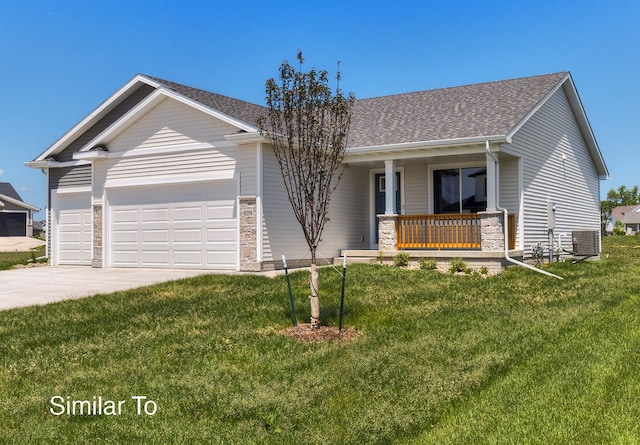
(460, 190)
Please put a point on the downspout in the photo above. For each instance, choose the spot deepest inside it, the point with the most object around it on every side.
(506, 224)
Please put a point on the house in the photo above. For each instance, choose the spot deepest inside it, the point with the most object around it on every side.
(165, 175)
(629, 216)
(16, 216)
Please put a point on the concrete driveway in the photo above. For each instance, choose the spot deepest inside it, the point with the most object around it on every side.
(42, 285)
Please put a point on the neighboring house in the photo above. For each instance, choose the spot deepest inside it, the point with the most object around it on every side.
(165, 175)
(629, 216)
(16, 216)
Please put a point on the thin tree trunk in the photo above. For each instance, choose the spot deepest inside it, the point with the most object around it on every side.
(313, 298)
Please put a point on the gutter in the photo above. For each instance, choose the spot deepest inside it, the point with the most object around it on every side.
(506, 226)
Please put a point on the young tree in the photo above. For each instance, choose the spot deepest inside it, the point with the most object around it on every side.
(307, 126)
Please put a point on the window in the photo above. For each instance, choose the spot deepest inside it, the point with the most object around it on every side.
(460, 190)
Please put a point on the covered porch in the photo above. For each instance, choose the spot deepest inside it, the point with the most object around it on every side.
(446, 202)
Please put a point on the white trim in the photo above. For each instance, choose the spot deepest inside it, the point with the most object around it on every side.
(172, 149)
(173, 179)
(79, 189)
(55, 164)
(427, 144)
(422, 151)
(245, 138)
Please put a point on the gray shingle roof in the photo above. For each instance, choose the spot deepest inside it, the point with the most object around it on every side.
(244, 111)
(485, 109)
(478, 110)
(7, 189)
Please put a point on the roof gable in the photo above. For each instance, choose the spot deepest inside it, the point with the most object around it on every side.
(6, 189)
(9, 194)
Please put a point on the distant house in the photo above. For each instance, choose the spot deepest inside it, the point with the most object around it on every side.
(629, 216)
(165, 175)
(16, 216)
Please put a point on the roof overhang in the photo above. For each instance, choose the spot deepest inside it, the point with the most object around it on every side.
(5, 198)
(406, 150)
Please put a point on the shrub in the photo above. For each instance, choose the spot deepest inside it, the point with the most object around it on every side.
(401, 259)
(428, 264)
(457, 265)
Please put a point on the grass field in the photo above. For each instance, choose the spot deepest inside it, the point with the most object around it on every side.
(516, 358)
(10, 259)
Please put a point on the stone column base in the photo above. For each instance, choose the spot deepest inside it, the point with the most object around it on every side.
(491, 231)
(387, 234)
(96, 259)
(248, 214)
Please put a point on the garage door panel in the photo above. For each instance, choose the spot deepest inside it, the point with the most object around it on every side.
(155, 215)
(187, 214)
(226, 212)
(73, 223)
(124, 216)
(187, 236)
(224, 235)
(155, 236)
(173, 226)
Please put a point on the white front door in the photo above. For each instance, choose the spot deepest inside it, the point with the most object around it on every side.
(179, 226)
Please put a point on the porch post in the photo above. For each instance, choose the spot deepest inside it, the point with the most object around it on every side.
(492, 182)
(390, 187)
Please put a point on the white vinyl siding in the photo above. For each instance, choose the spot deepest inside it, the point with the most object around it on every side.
(171, 124)
(416, 189)
(557, 167)
(348, 214)
(510, 190)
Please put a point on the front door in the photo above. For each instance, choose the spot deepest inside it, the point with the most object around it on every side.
(380, 199)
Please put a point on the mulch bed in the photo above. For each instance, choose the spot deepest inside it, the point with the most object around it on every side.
(303, 332)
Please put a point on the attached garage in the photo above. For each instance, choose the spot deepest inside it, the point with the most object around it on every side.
(173, 226)
(73, 225)
(13, 224)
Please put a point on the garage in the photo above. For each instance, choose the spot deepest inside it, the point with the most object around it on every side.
(177, 226)
(13, 224)
(73, 228)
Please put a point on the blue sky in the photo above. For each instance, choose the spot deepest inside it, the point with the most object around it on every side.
(61, 59)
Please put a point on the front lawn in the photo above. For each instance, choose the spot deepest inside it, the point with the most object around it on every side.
(516, 358)
(10, 259)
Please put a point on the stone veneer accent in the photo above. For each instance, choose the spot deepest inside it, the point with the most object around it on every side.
(491, 231)
(248, 211)
(96, 259)
(387, 235)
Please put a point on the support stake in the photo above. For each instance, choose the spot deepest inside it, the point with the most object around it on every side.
(293, 307)
(344, 277)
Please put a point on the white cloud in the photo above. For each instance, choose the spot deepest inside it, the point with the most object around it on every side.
(1, 172)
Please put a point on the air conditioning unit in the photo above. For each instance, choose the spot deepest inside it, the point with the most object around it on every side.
(586, 242)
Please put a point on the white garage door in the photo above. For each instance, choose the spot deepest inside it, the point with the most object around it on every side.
(73, 229)
(181, 226)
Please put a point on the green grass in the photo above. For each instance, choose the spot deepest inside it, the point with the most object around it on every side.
(10, 259)
(517, 358)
